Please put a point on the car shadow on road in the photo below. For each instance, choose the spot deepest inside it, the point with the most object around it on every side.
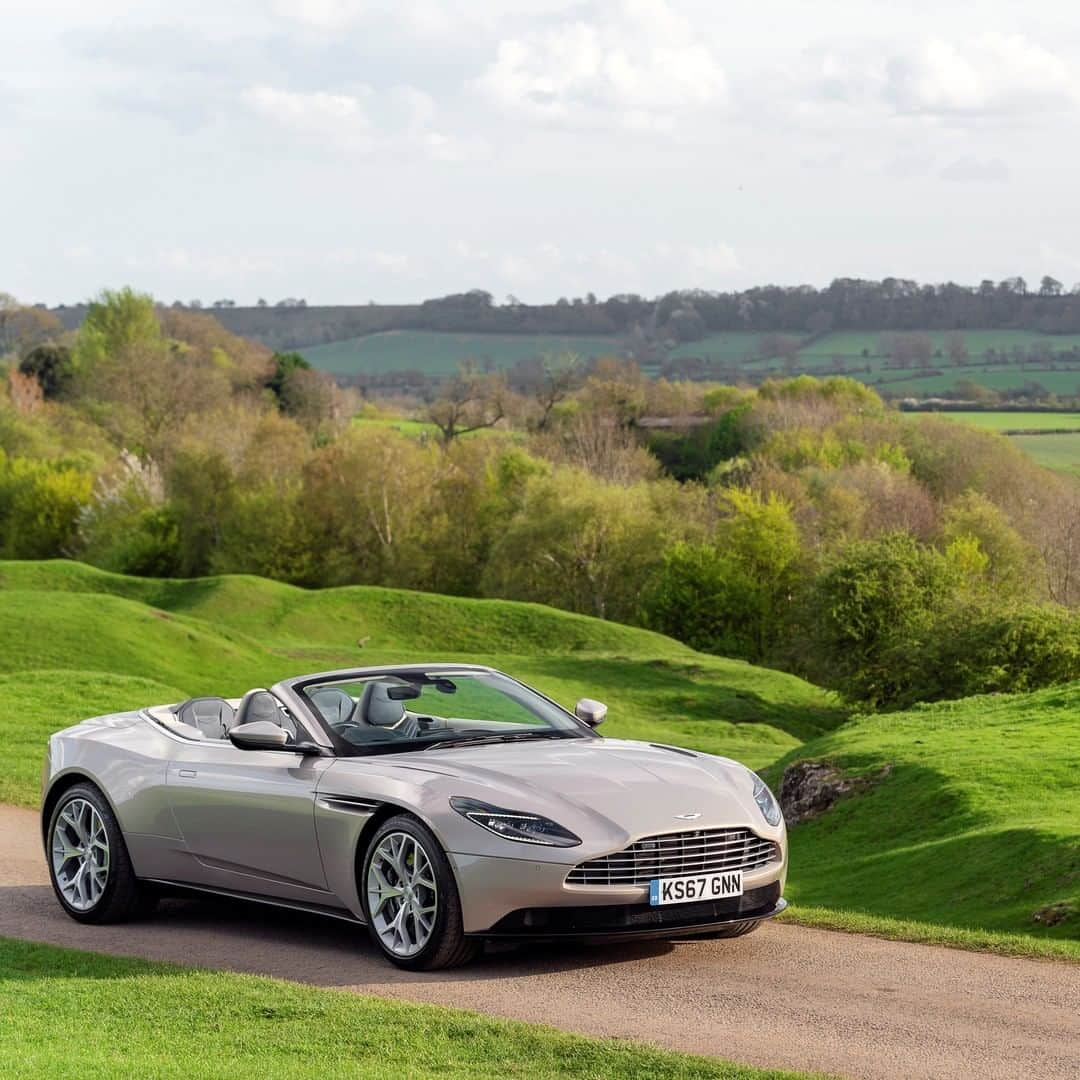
(230, 934)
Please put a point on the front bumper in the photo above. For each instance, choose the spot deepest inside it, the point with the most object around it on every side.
(624, 921)
(522, 898)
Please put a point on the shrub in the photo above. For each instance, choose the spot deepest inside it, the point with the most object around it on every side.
(40, 505)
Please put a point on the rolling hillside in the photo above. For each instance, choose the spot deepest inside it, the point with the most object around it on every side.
(442, 353)
(732, 354)
(75, 641)
(976, 825)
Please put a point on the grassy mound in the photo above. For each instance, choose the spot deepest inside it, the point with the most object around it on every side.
(34, 705)
(224, 635)
(976, 826)
(160, 1020)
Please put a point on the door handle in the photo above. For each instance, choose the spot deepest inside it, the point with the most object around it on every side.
(188, 774)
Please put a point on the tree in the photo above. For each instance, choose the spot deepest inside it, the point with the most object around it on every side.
(731, 596)
(580, 544)
(956, 348)
(51, 365)
(310, 397)
(551, 382)
(367, 507)
(468, 401)
(23, 326)
(284, 365)
(115, 321)
(145, 392)
(874, 594)
(1050, 287)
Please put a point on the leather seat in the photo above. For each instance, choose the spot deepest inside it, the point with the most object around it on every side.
(377, 709)
(335, 705)
(260, 704)
(213, 716)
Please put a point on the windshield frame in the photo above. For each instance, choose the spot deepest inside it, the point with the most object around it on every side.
(296, 690)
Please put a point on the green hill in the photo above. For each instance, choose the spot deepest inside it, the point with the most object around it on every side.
(441, 353)
(976, 825)
(68, 626)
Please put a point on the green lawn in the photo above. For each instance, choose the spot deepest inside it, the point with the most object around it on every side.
(436, 353)
(977, 826)
(76, 1014)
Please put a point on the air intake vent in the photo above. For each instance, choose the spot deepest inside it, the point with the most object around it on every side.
(706, 851)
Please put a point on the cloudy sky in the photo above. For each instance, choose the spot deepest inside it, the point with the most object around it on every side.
(347, 150)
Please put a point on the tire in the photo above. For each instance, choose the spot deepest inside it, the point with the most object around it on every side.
(419, 943)
(106, 893)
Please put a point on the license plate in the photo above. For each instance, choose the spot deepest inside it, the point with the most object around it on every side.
(682, 890)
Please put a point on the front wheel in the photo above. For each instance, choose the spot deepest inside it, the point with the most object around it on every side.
(411, 900)
(89, 865)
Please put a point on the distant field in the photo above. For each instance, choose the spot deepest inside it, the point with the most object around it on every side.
(856, 353)
(1012, 421)
(999, 377)
(1060, 452)
(728, 346)
(442, 353)
(854, 342)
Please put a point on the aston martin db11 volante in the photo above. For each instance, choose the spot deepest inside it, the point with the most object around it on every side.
(439, 804)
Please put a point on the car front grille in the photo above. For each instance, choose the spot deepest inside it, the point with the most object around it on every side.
(705, 851)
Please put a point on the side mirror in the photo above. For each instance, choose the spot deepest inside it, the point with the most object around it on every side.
(590, 712)
(259, 735)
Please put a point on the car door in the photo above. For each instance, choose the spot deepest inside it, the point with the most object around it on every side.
(247, 818)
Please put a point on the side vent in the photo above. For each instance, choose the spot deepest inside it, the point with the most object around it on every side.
(348, 804)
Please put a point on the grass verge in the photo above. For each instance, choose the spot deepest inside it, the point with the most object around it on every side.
(65, 1013)
(922, 933)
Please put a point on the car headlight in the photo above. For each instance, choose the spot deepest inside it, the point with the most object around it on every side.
(767, 804)
(516, 824)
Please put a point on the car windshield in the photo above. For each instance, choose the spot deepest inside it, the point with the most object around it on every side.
(432, 710)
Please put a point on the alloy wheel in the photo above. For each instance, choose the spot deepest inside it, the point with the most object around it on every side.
(80, 854)
(403, 898)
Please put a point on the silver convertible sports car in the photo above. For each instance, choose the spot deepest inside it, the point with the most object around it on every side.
(440, 805)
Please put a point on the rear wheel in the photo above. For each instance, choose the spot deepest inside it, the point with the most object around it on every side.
(411, 900)
(89, 865)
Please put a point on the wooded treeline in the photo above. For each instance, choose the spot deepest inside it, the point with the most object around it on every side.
(802, 524)
(845, 304)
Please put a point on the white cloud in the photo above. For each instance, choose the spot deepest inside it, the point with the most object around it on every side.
(991, 74)
(636, 60)
(976, 170)
(303, 109)
(393, 262)
(702, 261)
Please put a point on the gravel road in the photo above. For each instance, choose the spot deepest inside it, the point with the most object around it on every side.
(785, 996)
